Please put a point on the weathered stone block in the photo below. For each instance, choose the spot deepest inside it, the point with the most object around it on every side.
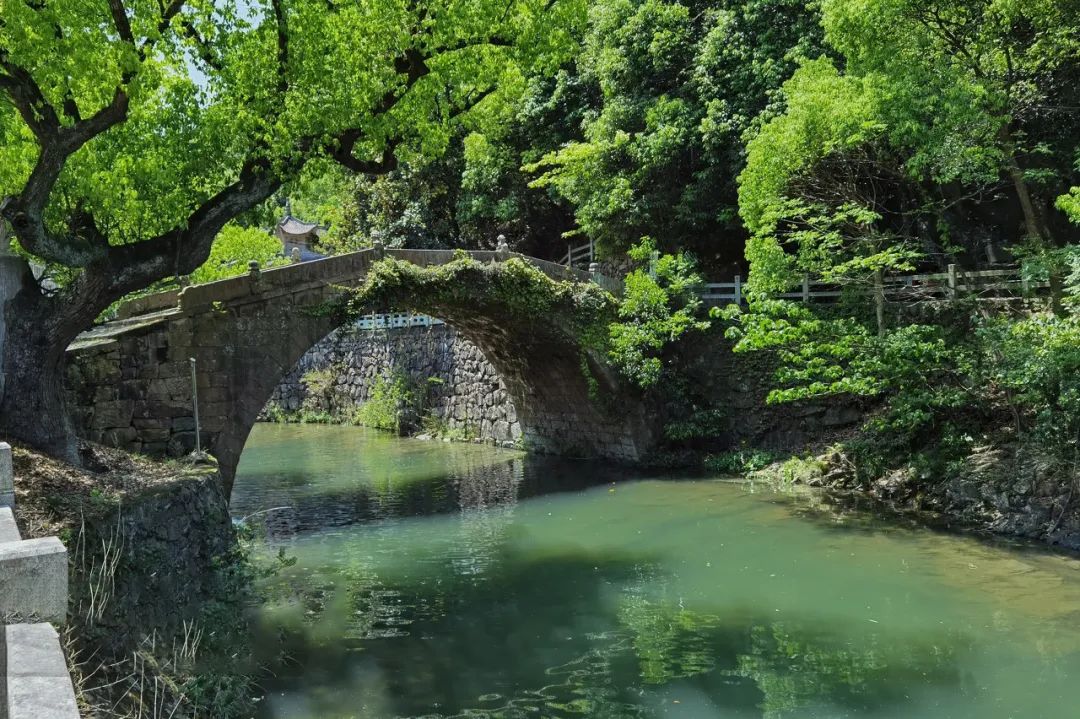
(106, 394)
(155, 449)
(166, 409)
(38, 682)
(213, 394)
(184, 424)
(9, 531)
(7, 477)
(178, 387)
(112, 414)
(167, 370)
(34, 579)
(120, 437)
(150, 435)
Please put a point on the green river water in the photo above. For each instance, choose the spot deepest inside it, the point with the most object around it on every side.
(441, 580)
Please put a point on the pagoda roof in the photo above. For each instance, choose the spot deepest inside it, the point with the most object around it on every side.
(292, 226)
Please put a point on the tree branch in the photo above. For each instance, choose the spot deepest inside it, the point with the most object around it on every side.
(282, 46)
(120, 21)
(28, 99)
(203, 48)
(182, 251)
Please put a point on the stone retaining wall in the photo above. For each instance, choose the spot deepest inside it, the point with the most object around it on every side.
(463, 391)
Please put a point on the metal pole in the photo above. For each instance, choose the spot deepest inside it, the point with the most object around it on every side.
(195, 408)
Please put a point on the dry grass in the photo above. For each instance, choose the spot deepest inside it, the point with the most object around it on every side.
(52, 496)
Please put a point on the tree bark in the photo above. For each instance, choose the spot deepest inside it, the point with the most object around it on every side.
(33, 408)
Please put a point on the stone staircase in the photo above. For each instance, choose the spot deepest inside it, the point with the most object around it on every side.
(34, 678)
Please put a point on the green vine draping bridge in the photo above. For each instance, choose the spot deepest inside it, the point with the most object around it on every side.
(131, 378)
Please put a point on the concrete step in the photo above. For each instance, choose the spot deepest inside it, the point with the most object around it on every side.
(37, 683)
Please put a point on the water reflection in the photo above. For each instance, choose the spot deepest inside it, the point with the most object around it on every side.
(447, 580)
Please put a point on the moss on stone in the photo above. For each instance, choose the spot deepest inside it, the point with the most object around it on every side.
(513, 291)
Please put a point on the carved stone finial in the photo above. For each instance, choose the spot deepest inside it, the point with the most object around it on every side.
(253, 269)
(594, 268)
(501, 244)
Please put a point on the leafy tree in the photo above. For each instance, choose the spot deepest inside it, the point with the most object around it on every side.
(233, 249)
(972, 85)
(477, 190)
(929, 115)
(1070, 204)
(116, 162)
(661, 304)
(680, 84)
(413, 206)
(641, 134)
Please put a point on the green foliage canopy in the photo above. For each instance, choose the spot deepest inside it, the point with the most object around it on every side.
(234, 247)
(680, 83)
(150, 125)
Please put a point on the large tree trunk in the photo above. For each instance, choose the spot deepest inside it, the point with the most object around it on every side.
(33, 405)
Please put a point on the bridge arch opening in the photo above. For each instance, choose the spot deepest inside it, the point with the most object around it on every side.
(413, 373)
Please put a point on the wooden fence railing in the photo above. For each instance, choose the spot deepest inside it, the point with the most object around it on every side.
(581, 256)
(988, 284)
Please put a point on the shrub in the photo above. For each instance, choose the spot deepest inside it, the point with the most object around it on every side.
(390, 398)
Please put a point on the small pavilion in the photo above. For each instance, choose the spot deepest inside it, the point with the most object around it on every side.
(299, 239)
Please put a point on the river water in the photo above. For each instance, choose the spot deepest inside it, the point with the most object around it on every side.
(438, 580)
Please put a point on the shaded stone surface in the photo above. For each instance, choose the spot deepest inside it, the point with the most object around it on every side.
(7, 477)
(9, 531)
(34, 579)
(461, 388)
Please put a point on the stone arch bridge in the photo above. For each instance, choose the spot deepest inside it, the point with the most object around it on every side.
(130, 379)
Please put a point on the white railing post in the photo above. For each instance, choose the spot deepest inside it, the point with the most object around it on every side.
(952, 281)
(7, 477)
(738, 290)
(806, 288)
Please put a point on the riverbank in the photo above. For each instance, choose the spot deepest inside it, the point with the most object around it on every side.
(1002, 486)
(160, 587)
